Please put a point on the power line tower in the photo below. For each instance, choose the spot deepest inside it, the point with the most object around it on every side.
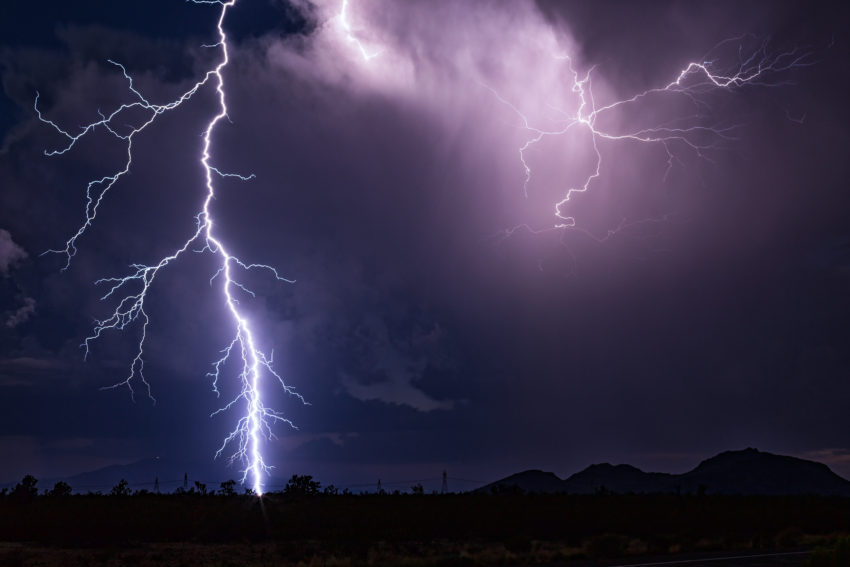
(379, 486)
(156, 484)
(445, 488)
(185, 481)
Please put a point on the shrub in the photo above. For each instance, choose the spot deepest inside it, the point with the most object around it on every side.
(60, 489)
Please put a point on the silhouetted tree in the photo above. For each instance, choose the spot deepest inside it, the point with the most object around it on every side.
(228, 488)
(61, 488)
(26, 489)
(417, 489)
(330, 490)
(303, 485)
(200, 487)
(120, 489)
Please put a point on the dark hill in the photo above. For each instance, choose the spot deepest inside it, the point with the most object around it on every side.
(529, 481)
(620, 479)
(733, 472)
(754, 472)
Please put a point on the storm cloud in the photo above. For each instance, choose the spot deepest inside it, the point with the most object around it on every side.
(438, 318)
(10, 253)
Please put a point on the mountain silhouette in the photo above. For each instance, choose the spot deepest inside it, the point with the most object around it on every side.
(617, 478)
(144, 475)
(748, 471)
(754, 472)
(531, 481)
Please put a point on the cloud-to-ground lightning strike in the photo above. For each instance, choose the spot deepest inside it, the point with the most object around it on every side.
(255, 366)
(695, 79)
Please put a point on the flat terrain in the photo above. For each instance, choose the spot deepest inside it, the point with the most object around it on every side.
(780, 559)
(252, 555)
(465, 530)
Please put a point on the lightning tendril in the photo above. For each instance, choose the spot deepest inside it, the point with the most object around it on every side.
(692, 82)
(757, 64)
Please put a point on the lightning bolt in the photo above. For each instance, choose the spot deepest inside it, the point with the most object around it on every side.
(131, 291)
(753, 66)
(692, 82)
(350, 35)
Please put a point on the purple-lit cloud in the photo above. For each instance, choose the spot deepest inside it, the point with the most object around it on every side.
(10, 253)
(498, 78)
(22, 313)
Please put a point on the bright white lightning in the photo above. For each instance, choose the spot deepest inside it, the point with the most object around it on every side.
(256, 423)
(351, 36)
(692, 81)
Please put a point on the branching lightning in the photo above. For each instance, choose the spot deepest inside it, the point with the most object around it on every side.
(131, 290)
(693, 81)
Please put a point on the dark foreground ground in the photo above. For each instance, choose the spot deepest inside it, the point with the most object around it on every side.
(251, 555)
(423, 530)
(740, 559)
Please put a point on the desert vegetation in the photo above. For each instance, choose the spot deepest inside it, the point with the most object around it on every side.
(307, 524)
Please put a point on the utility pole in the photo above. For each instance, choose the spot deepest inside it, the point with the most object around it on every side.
(185, 482)
(156, 484)
(445, 488)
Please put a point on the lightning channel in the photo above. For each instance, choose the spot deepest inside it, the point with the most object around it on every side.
(693, 82)
(351, 35)
(130, 291)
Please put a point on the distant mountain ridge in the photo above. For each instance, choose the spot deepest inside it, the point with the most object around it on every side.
(748, 471)
(144, 475)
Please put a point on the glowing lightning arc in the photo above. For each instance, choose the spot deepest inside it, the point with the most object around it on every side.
(693, 80)
(687, 133)
(350, 34)
(256, 423)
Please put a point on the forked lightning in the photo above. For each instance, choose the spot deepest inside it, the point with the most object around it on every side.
(256, 368)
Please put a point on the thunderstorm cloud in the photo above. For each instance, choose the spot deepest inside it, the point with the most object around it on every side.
(10, 253)
(438, 318)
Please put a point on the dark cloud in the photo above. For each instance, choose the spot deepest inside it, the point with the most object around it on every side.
(693, 308)
(22, 313)
(10, 253)
(21, 307)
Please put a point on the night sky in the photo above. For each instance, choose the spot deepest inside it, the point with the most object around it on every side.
(694, 308)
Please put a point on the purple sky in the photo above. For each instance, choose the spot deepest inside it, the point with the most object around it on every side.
(701, 302)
